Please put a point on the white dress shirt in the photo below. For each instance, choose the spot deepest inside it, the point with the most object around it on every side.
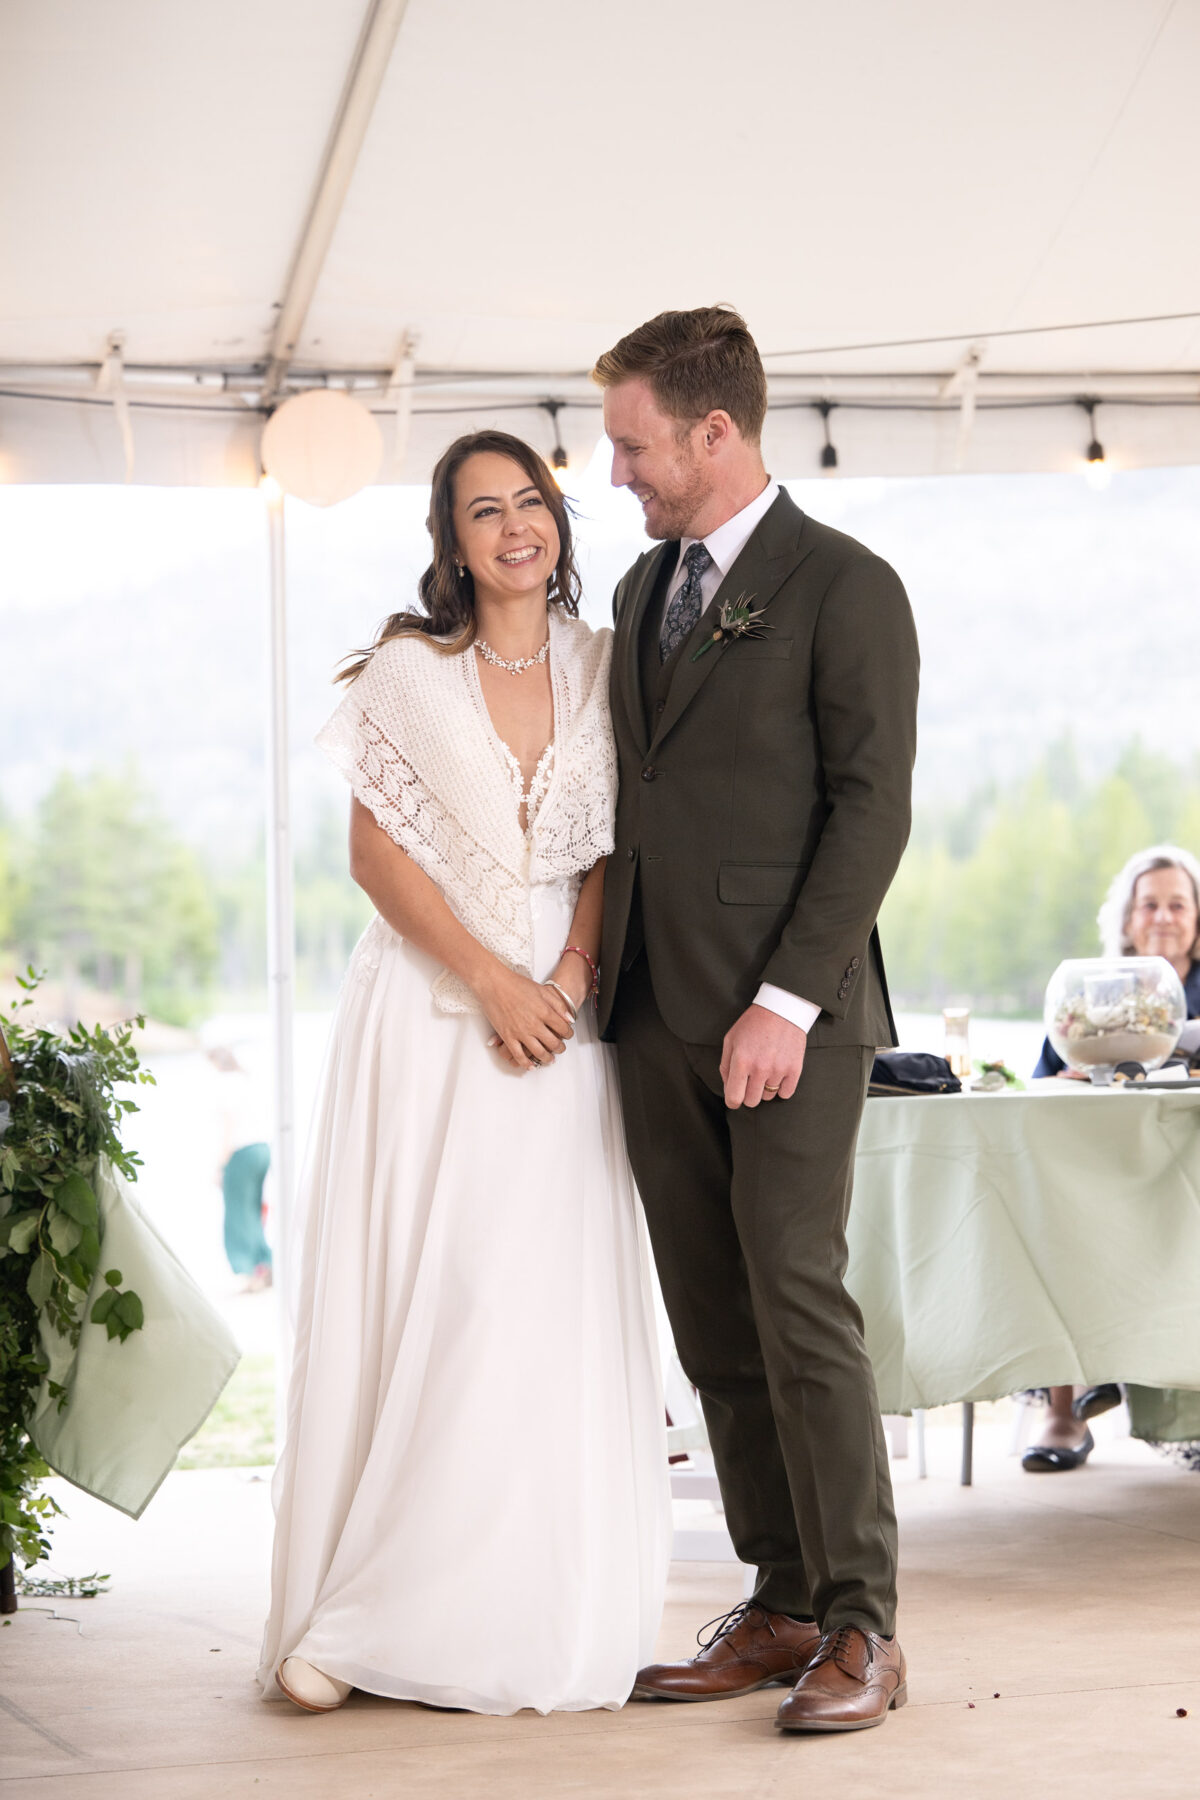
(725, 545)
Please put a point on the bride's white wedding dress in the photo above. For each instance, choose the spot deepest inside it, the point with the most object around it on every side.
(472, 1502)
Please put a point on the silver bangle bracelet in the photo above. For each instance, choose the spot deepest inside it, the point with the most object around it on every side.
(566, 1000)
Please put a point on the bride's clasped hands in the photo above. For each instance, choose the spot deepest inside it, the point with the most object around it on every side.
(530, 1019)
(532, 1024)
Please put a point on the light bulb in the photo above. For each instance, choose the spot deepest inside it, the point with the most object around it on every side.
(1095, 468)
(829, 455)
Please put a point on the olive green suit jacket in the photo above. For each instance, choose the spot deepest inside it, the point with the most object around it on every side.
(764, 797)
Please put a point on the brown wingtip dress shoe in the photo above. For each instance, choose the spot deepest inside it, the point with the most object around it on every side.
(851, 1682)
(749, 1648)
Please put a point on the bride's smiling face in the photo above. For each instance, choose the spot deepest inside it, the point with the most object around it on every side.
(505, 532)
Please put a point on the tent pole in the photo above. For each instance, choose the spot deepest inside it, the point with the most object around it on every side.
(280, 939)
(377, 39)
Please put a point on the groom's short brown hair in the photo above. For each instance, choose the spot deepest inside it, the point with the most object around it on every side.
(694, 363)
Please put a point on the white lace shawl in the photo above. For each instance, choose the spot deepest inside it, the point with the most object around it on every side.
(414, 739)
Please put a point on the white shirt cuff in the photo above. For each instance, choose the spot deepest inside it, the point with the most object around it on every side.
(789, 1006)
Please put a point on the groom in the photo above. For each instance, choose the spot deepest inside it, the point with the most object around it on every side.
(764, 693)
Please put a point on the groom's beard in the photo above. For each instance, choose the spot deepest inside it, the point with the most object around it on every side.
(675, 502)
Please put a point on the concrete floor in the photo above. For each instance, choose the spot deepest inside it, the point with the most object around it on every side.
(1048, 1623)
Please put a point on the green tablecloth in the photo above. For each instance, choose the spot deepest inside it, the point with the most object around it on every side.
(132, 1406)
(1003, 1241)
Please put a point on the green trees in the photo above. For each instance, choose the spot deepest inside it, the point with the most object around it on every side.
(991, 897)
(107, 893)
(9, 877)
(992, 893)
(98, 888)
(330, 913)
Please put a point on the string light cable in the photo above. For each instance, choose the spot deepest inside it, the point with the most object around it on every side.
(488, 408)
(365, 384)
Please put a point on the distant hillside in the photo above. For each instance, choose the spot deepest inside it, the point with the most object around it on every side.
(1042, 607)
(1045, 608)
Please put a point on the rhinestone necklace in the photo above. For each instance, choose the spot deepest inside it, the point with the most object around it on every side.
(519, 664)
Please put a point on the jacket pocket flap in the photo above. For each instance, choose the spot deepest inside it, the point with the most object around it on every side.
(759, 884)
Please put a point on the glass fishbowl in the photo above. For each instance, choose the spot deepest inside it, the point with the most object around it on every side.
(1105, 1010)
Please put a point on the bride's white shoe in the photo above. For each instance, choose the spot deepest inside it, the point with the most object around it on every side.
(309, 1688)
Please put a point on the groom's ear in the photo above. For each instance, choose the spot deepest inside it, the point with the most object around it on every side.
(719, 431)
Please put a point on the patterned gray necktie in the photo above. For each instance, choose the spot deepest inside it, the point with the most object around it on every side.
(684, 609)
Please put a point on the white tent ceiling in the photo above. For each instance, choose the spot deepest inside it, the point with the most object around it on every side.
(535, 179)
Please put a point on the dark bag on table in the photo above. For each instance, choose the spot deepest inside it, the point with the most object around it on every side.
(912, 1072)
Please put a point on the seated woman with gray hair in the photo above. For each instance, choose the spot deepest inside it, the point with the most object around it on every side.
(1151, 909)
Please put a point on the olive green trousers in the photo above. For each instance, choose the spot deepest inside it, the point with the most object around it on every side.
(747, 1215)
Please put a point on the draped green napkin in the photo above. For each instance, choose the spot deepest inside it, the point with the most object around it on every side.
(132, 1406)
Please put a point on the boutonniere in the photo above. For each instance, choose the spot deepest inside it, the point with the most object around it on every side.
(737, 620)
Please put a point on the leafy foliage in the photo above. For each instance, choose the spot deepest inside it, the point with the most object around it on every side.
(105, 889)
(97, 883)
(991, 896)
(65, 1587)
(59, 1114)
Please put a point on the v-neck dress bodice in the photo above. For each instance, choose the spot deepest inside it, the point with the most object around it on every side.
(529, 799)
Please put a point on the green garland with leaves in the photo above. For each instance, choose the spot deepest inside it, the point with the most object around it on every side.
(59, 1114)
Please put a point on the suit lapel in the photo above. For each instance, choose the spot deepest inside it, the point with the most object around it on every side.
(775, 549)
(629, 651)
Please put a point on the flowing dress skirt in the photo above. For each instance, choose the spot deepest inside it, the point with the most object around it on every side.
(472, 1505)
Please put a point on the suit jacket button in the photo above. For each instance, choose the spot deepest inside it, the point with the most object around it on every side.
(631, 853)
(854, 961)
(661, 707)
(649, 773)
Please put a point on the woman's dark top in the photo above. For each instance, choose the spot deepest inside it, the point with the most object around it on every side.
(1050, 1062)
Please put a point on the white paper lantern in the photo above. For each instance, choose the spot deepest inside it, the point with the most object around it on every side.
(322, 446)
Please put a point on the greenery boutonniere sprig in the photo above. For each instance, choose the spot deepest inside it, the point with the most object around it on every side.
(737, 620)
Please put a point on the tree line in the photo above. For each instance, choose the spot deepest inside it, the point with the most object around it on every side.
(98, 887)
(993, 893)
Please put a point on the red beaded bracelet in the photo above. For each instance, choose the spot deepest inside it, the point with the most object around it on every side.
(573, 949)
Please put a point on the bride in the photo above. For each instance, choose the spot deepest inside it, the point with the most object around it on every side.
(471, 1505)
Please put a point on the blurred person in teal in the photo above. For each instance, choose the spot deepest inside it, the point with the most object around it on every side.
(242, 1172)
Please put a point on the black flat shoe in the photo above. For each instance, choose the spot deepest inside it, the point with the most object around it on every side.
(1047, 1459)
(1096, 1400)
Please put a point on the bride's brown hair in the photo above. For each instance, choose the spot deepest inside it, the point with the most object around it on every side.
(447, 595)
